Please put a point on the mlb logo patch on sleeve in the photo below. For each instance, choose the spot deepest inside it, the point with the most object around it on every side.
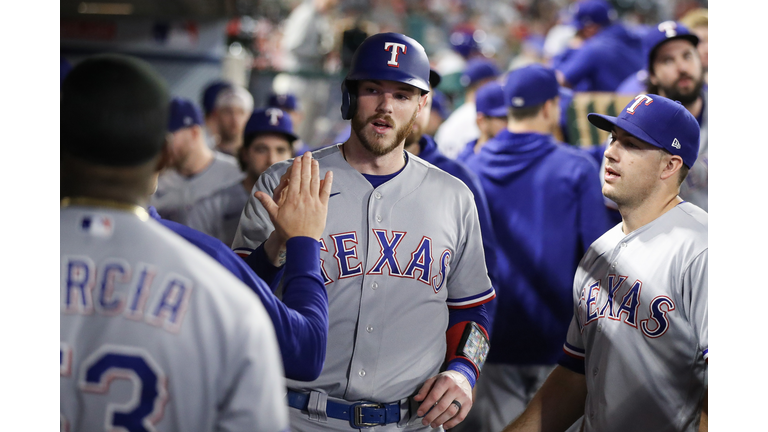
(98, 225)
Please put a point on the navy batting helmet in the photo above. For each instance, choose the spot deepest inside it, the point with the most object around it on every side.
(385, 56)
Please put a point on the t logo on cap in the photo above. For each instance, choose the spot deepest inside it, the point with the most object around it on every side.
(275, 114)
(638, 100)
(394, 48)
(669, 28)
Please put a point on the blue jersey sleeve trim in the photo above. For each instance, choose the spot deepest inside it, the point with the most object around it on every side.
(706, 354)
(572, 364)
(465, 368)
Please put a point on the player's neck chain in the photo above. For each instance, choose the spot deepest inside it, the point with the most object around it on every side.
(95, 202)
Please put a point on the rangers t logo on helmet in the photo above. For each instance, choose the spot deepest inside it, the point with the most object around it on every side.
(394, 49)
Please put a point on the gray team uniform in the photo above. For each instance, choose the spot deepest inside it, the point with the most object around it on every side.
(640, 325)
(156, 334)
(176, 194)
(219, 214)
(388, 312)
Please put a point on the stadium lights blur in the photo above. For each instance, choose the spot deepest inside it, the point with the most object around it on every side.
(105, 8)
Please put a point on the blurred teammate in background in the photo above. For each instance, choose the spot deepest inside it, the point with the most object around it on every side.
(491, 118)
(461, 126)
(233, 107)
(194, 170)
(268, 139)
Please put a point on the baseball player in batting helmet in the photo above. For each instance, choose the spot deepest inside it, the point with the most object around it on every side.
(402, 242)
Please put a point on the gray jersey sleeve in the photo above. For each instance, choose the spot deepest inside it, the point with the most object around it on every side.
(255, 225)
(695, 299)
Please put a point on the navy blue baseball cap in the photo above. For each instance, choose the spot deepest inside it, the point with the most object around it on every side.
(439, 104)
(184, 113)
(286, 101)
(211, 92)
(658, 121)
(663, 33)
(530, 86)
(464, 43)
(597, 12)
(489, 100)
(270, 120)
(478, 69)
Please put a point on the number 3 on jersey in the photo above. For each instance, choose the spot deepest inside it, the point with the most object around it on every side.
(145, 407)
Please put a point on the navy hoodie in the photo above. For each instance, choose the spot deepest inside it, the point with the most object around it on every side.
(604, 61)
(546, 209)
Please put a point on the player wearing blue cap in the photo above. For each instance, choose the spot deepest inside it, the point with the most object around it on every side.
(610, 52)
(461, 126)
(546, 209)
(674, 70)
(195, 171)
(406, 292)
(491, 118)
(637, 346)
(268, 139)
(208, 101)
(155, 335)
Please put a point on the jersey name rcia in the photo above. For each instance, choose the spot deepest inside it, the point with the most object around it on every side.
(624, 306)
(88, 289)
(419, 266)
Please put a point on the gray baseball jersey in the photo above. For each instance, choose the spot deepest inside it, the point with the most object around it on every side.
(394, 259)
(176, 194)
(640, 324)
(219, 214)
(155, 335)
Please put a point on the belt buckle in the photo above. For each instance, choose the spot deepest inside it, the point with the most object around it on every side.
(358, 415)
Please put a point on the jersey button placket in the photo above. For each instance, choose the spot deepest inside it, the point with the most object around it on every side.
(369, 329)
(361, 373)
(377, 195)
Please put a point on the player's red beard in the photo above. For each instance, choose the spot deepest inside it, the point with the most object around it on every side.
(369, 138)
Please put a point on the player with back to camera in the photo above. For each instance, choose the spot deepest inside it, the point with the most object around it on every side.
(637, 347)
(386, 264)
(546, 209)
(154, 333)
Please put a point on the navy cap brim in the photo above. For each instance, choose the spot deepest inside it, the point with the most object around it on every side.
(607, 123)
(497, 112)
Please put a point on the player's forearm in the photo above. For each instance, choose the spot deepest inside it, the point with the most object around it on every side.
(275, 249)
(556, 406)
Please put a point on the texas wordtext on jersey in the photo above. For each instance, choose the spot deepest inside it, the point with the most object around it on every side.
(622, 305)
(419, 266)
(88, 289)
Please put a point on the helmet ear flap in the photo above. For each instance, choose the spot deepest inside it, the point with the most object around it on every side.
(348, 101)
